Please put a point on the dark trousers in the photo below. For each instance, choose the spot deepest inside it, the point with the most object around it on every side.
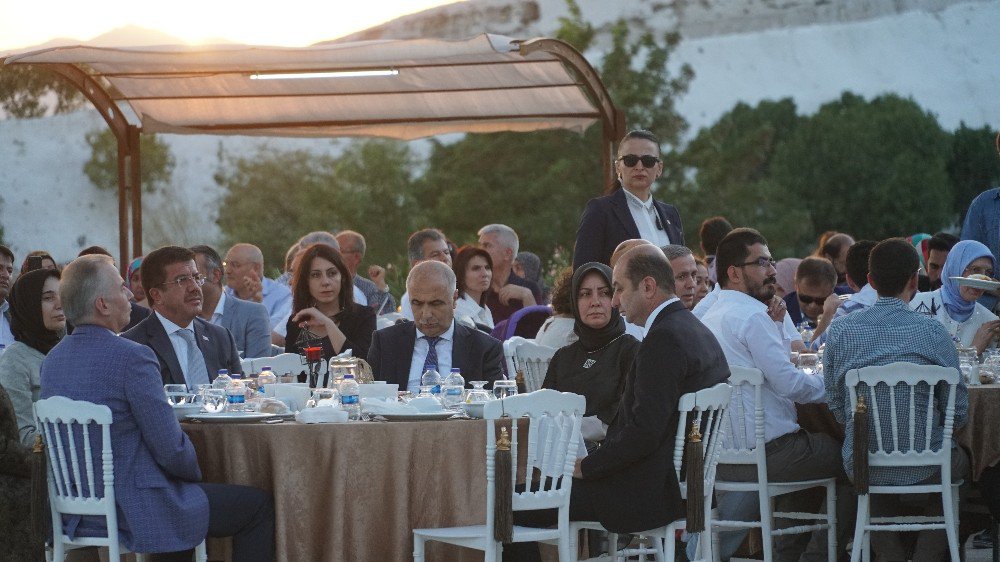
(241, 512)
(581, 508)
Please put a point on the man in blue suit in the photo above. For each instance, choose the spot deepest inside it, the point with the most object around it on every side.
(189, 349)
(162, 506)
(247, 321)
(401, 353)
(629, 210)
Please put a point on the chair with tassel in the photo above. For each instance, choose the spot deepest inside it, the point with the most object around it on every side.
(551, 446)
(700, 430)
(902, 391)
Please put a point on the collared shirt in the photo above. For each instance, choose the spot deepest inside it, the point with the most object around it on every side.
(788, 332)
(382, 301)
(749, 338)
(861, 300)
(277, 299)
(217, 313)
(652, 316)
(359, 297)
(470, 313)
(887, 332)
(420, 349)
(177, 341)
(6, 337)
(646, 218)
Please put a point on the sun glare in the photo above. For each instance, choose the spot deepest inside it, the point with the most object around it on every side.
(292, 23)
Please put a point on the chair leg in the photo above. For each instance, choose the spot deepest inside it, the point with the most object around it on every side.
(418, 548)
(831, 522)
(859, 528)
(201, 553)
(766, 526)
(995, 524)
(950, 520)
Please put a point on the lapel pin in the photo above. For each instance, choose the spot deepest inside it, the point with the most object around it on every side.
(204, 338)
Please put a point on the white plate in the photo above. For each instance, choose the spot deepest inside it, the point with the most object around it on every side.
(230, 417)
(423, 416)
(977, 283)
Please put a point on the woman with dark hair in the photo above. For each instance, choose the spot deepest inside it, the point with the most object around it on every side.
(323, 303)
(44, 261)
(38, 323)
(595, 365)
(557, 331)
(474, 272)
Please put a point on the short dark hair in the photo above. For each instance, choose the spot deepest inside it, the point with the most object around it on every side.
(711, 232)
(301, 298)
(415, 243)
(213, 261)
(857, 261)
(562, 292)
(94, 251)
(816, 271)
(461, 262)
(891, 265)
(650, 264)
(5, 251)
(942, 242)
(154, 266)
(734, 249)
(835, 244)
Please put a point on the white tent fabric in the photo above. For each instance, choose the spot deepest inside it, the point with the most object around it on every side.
(483, 84)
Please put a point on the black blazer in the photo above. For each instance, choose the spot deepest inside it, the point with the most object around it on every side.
(477, 354)
(630, 479)
(607, 222)
(357, 324)
(215, 342)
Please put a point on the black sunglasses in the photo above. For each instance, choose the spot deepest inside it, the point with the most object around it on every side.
(631, 160)
(806, 299)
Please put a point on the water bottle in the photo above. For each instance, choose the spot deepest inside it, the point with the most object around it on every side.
(265, 378)
(432, 379)
(453, 388)
(349, 397)
(236, 393)
(222, 379)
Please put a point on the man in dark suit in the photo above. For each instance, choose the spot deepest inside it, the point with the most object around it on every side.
(398, 355)
(628, 484)
(629, 210)
(190, 350)
(162, 505)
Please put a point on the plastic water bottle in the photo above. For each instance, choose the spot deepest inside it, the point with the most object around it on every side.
(432, 379)
(222, 379)
(453, 388)
(265, 378)
(349, 397)
(236, 394)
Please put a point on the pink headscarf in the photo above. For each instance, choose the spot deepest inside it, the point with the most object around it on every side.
(786, 273)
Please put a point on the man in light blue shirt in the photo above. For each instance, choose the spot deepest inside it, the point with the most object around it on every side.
(6, 280)
(244, 267)
(982, 223)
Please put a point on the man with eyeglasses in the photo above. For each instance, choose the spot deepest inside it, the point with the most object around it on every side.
(424, 245)
(815, 280)
(751, 337)
(190, 350)
(374, 290)
(629, 209)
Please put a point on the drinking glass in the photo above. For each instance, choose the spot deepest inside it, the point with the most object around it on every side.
(991, 365)
(808, 363)
(214, 400)
(504, 388)
(322, 397)
(199, 396)
(478, 394)
(177, 394)
(968, 363)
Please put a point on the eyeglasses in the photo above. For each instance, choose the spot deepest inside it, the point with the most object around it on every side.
(631, 160)
(186, 280)
(760, 262)
(806, 299)
(978, 270)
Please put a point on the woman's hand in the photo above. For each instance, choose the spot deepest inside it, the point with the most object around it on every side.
(322, 325)
(985, 335)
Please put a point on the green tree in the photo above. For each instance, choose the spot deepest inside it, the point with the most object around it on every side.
(156, 160)
(973, 165)
(24, 87)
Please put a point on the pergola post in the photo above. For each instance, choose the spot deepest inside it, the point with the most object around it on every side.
(135, 184)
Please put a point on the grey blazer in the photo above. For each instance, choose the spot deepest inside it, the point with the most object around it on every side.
(250, 325)
(215, 342)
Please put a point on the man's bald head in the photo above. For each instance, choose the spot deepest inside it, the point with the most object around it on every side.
(246, 252)
(624, 247)
(242, 260)
(642, 280)
(432, 271)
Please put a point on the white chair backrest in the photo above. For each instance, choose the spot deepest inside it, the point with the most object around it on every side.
(553, 444)
(284, 363)
(708, 406)
(903, 391)
(744, 438)
(70, 429)
(533, 360)
(510, 354)
(248, 366)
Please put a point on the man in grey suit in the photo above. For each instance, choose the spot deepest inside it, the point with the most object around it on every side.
(190, 350)
(247, 321)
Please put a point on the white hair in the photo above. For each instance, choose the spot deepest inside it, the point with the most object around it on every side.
(505, 235)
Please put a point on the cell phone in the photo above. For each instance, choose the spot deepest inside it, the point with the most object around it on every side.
(34, 262)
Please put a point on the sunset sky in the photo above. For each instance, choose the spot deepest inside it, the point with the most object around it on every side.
(278, 22)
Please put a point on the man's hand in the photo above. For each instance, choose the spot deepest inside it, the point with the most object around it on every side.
(776, 310)
(253, 289)
(830, 305)
(577, 470)
(377, 274)
(516, 292)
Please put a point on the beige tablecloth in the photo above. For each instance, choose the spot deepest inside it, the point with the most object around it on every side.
(981, 434)
(355, 491)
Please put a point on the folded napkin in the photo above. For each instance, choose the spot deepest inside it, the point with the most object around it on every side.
(321, 415)
(379, 406)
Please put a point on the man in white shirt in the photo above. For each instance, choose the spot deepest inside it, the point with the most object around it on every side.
(6, 280)
(750, 337)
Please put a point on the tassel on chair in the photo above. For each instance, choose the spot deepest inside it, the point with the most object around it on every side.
(861, 447)
(503, 510)
(695, 478)
(40, 521)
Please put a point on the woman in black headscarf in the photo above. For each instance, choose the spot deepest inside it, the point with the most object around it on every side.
(38, 323)
(595, 365)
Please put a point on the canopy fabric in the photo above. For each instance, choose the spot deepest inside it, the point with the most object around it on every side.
(483, 84)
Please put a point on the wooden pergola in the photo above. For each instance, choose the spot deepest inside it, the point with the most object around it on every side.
(395, 89)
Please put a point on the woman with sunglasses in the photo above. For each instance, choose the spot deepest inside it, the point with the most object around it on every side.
(323, 303)
(955, 306)
(628, 210)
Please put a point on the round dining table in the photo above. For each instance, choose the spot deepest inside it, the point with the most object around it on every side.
(981, 434)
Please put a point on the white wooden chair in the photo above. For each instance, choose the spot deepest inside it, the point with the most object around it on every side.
(533, 361)
(248, 366)
(283, 363)
(509, 357)
(66, 424)
(553, 443)
(713, 401)
(900, 442)
(744, 445)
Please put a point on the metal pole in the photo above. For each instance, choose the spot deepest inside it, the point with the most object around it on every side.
(135, 184)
